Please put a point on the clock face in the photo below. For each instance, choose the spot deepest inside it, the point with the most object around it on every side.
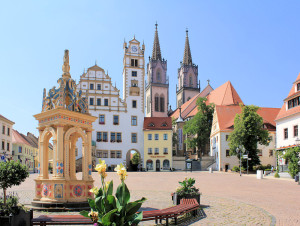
(133, 48)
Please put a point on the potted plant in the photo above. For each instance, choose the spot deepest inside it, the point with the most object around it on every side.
(109, 209)
(11, 212)
(186, 190)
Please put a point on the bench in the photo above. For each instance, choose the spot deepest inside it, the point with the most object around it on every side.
(185, 206)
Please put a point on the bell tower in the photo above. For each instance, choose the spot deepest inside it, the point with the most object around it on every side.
(188, 85)
(157, 84)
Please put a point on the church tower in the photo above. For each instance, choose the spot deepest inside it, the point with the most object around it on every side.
(188, 85)
(157, 84)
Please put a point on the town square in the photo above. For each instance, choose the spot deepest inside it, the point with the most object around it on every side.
(124, 113)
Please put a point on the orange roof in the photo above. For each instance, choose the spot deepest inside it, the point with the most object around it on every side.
(18, 138)
(226, 115)
(288, 112)
(157, 123)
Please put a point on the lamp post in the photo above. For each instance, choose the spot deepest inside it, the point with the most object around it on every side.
(297, 145)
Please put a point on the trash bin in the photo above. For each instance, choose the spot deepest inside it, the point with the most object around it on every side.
(210, 170)
(296, 178)
(259, 174)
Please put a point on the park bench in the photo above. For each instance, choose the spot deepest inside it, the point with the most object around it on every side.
(185, 206)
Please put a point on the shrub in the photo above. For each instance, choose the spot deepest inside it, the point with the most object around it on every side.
(235, 169)
(187, 187)
(276, 175)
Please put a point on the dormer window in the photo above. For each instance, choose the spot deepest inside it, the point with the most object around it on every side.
(298, 86)
(151, 124)
(164, 124)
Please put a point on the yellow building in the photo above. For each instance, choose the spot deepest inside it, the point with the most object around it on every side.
(158, 143)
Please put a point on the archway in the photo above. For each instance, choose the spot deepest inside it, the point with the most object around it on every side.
(157, 165)
(166, 164)
(133, 160)
(149, 165)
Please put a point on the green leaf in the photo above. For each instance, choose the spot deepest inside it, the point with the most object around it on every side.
(107, 218)
(84, 213)
(92, 204)
(132, 208)
(110, 188)
(138, 218)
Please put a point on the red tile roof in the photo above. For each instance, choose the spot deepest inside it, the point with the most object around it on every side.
(18, 138)
(226, 115)
(157, 123)
(284, 112)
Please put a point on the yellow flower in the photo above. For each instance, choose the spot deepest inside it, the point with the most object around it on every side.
(93, 215)
(107, 184)
(121, 171)
(94, 190)
(101, 168)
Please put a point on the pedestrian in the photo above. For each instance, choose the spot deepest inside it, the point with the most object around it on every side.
(272, 169)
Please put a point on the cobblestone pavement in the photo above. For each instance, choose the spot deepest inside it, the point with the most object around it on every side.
(229, 199)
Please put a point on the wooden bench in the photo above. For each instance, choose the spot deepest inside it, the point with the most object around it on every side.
(185, 206)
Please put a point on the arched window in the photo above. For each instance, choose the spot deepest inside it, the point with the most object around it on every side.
(149, 164)
(191, 80)
(158, 76)
(162, 103)
(156, 102)
(188, 98)
(166, 164)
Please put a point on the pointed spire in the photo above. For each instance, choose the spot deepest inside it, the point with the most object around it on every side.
(187, 57)
(66, 65)
(156, 54)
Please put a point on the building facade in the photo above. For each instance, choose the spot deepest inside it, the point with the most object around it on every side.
(188, 85)
(158, 143)
(222, 126)
(118, 131)
(6, 126)
(288, 121)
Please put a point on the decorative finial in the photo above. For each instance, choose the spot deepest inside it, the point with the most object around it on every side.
(134, 36)
(95, 62)
(208, 81)
(187, 31)
(66, 65)
(156, 25)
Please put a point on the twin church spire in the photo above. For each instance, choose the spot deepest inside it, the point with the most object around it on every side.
(187, 56)
(156, 53)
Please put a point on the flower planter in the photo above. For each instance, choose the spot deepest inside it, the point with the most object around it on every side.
(176, 198)
(21, 219)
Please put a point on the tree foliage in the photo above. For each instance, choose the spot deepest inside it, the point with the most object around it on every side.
(199, 127)
(136, 159)
(292, 156)
(11, 174)
(248, 132)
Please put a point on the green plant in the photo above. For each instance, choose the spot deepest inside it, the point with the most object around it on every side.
(11, 173)
(235, 169)
(12, 205)
(187, 187)
(107, 209)
(292, 155)
(276, 175)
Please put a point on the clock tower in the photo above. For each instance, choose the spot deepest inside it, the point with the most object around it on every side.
(157, 84)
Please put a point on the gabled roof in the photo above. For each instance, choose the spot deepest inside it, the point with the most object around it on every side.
(6, 119)
(18, 138)
(284, 112)
(226, 115)
(96, 68)
(157, 123)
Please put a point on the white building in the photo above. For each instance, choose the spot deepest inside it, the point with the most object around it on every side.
(118, 132)
(222, 126)
(6, 126)
(288, 121)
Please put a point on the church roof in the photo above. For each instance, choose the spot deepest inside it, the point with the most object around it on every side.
(226, 115)
(156, 53)
(187, 56)
(284, 112)
(157, 123)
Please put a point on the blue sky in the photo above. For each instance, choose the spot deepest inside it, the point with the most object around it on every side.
(254, 44)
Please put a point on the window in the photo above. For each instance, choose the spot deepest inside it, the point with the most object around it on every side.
(91, 101)
(298, 87)
(8, 131)
(91, 86)
(156, 151)
(98, 102)
(113, 154)
(259, 152)
(3, 145)
(7, 146)
(296, 131)
(165, 136)
(101, 119)
(3, 129)
(104, 154)
(156, 104)
(105, 136)
(270, 153)
(134, 104)
(162, 104)
(156, 136)
(116, 119)
(134, 83)
(294, 102)
(133, 120)
(149, 136)
(99, 154)
(149, 164)
(227, 136)
(165, 151)
(98, 86)
(286, 135)
(134, 63)
(134, 73)
(158, 76)
(20, 149)
(119, 137)
(150, 151)
(112, 137)
(166, 164)
(105, 102)
(119, 154)
(191, 80)
(227, 153)
(133, 138)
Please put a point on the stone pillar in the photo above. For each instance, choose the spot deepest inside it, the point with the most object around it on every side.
(89, 154)
(72, 158)
(66, 160)
(45, 160)
(85, 157)
(58, 153)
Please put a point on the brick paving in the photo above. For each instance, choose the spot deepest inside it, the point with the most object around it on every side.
(230, 199)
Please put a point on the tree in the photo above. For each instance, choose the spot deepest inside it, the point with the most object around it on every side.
(292, 156)
(199, 127)
(136, 159)
(11, 173)
(248, 132)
